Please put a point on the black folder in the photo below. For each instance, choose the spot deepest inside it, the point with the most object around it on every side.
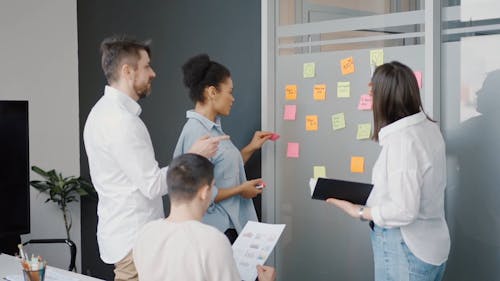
(354, 192)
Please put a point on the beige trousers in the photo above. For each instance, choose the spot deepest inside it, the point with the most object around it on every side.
(125, 269)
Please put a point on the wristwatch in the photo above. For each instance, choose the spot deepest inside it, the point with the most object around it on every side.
(360, 213)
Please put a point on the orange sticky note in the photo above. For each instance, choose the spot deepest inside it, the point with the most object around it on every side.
(311, 122)
(291, 92)
(320, 92)
(290, 111)
(292, 150)
(357, 164)
(347, 66)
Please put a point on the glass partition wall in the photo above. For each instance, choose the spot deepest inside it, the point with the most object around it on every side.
(451, 45)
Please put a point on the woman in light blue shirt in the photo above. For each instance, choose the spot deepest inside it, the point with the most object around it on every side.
(210, 88)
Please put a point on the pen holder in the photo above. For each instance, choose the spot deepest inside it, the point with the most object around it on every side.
(34, 275)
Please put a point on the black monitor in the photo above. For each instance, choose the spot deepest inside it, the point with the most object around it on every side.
(14, 168)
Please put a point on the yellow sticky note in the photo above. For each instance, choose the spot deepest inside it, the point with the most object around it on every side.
(338, 121)
(343, 89)
(364, 131)
(357, 164)
(319, 172)
(377, 57)
(291, 92)
(347, 66)
(311, 122)
(319, 92)
(309, 69)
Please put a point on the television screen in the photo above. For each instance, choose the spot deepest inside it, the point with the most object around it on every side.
(14, 168)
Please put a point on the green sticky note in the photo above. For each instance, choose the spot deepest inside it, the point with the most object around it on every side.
(343, 89)
(319, 172)
(364, 131)
(377, 57)
(338, 121)
(309, 69)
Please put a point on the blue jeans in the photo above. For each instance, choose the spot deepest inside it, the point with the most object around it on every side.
(395, 262)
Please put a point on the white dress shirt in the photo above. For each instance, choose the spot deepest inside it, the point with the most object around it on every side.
(409, 180)
(124, 172)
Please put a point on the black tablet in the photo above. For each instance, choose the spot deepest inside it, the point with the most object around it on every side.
(354, 192)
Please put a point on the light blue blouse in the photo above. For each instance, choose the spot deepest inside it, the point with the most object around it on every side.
(229, 171)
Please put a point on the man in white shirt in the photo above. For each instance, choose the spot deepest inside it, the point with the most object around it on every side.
(180, 247)
(122, 163)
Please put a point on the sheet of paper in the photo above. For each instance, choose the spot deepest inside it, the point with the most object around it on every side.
(343, 89)
(364, 131)
(365, 102)
(347, 66)
(254, 245)
(309, 70)
(291, 92)
(338, 121)
(319, 92)
(292, 150)
(418, 75)
(290, 111)
(319, 172)
(312, 184)
(357, 164)
(311, 122)
(377, 57)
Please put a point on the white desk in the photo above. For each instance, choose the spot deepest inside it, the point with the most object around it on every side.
(10, 265)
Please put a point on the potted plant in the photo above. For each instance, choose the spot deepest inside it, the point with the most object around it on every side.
(62, 190)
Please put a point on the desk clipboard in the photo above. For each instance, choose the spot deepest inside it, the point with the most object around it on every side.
(354, 192)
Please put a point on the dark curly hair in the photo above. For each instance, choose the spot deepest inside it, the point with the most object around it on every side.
(200, 72)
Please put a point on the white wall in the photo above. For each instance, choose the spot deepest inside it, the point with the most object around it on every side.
(39, 63)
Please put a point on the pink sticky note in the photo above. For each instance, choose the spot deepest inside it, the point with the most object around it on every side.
(274, 137)
(292, 150)
(418, 75)
(290, 111)
(365, 102)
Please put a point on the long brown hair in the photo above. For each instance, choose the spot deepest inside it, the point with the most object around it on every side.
(395, 95)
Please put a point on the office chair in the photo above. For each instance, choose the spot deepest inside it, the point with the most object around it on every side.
(71, 245)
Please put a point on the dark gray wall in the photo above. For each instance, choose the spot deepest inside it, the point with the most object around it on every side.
(227, 30)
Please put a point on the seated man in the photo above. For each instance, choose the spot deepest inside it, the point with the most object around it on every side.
(180, 247)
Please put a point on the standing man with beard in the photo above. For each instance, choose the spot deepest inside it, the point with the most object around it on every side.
(125, 174)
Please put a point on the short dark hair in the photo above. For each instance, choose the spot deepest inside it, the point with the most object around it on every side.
(119, 49)
(186, 174)
(395, 95)
(200, 72)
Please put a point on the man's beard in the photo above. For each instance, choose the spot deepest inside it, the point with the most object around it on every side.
(143, 91)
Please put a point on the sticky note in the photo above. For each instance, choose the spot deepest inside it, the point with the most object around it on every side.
(343, 89)
(291, 92)
(319, 172)
(311, 122)
(347, 66)
(309, 70)
(292, 150)
(418, 75)
(364, 131)
(357, 164)
(274, 137)
(365, 102)
(290, 111)
(338, 121)
(377, 57)
(319, 92)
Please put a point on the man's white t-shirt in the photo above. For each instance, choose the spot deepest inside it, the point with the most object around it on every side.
(187, 250)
